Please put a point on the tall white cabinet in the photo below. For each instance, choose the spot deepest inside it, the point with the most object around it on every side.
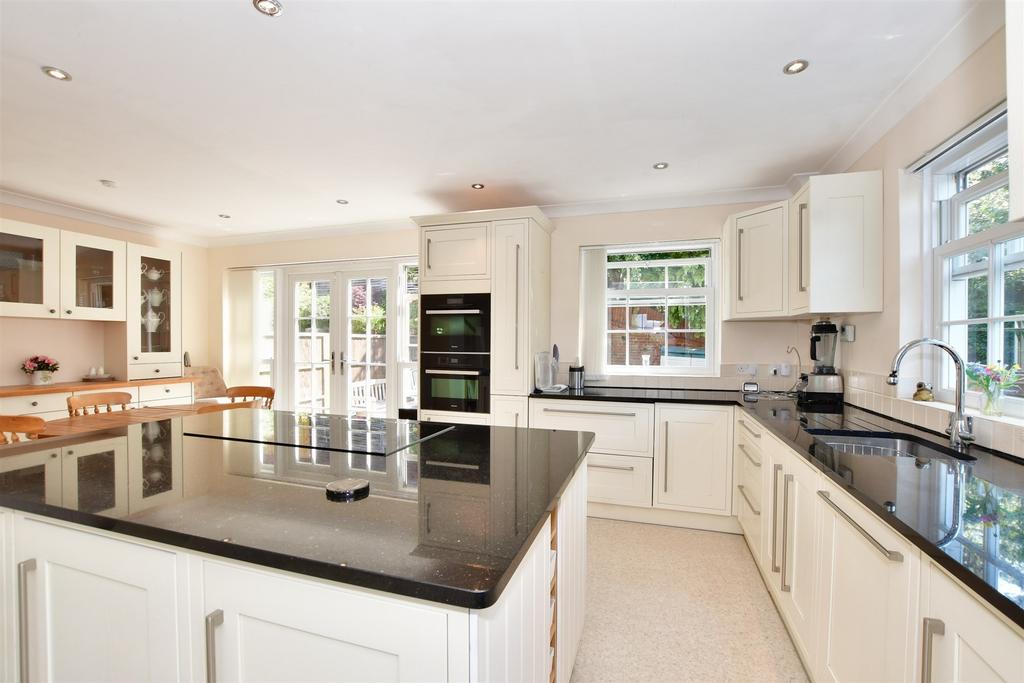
(819, 252)
(506, 252)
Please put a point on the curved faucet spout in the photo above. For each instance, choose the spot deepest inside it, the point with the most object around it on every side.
(961, 425)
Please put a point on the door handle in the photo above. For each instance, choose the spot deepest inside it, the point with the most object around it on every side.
(785, 587)
(213, 620)
(470, 373)
(801, 209)
(517, 309)
(428, 253)
(775, 514)
(332, 362)
(23, 651)
(743, 492)
(932, 628)
(739, 265)
(611, 467)
(666, 456)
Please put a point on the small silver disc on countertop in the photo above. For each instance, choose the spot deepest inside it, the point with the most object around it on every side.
(347, 490)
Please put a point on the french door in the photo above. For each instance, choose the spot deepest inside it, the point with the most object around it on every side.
(340, 356)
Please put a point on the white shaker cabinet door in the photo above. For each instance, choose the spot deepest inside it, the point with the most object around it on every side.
(510, 362)
(30, 273)
(275, 628)
(459, 252)
(693, 458)
(92, 277)
(757, 263)
(99, 609)
(510, 411)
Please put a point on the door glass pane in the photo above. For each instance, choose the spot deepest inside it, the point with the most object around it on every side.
(367, 346)
(26, 483)
(21, 269)
(94, 277)
(155, 304)
(97, 490)
(312, 375)
(157, 467)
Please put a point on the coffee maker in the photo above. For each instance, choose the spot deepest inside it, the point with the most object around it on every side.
(823, 387)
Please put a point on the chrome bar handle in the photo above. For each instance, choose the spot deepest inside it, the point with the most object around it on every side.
(785, 530)
(517, 308)
(747, 455)
(428, 253)
(932, 628)
(666, 456)
(213, 620)
(891, 555)
(587, 412)
(24, 568)
(739, 265)
(750, 431)
(800, 213)
(461, 373)
(612, 467)
(775, 513)
(743, 492)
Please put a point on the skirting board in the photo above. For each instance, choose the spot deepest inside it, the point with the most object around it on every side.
(689, 520)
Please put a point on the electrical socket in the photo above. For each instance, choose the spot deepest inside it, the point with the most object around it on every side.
(746, 369)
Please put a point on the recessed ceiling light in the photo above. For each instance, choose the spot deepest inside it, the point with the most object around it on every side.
(58, 74)
(223, 215)
(661, 165)
(271, 8)
(795, 67)
(477, 186)
(342, 201)
(107, 183)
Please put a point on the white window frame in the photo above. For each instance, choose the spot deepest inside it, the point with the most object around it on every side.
(709, 292)
(952, 217)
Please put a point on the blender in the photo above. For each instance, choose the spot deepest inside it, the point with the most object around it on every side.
(823, 386)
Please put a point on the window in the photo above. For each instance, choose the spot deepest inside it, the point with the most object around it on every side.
(660, 309)
(979, 262)
(409, 334)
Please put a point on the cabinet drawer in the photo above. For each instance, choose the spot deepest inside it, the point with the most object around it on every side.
(619, 479)
(156, 392)
(29, 405)
(455, 418)
(620, 428)
(151, 370)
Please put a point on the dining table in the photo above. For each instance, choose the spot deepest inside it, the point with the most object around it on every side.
(81, 424)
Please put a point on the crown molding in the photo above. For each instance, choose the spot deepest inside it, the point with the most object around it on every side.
(299, 234)
(50, 206)
(770, 193)
(979, 24)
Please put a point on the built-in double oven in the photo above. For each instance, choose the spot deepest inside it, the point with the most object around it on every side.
(455, 358)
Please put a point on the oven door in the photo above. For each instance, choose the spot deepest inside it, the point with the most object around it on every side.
(465, 391)
(456, 323)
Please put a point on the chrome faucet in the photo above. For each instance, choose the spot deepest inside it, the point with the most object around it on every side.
(961, 426)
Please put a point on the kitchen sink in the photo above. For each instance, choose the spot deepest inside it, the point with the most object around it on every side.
(885, 445)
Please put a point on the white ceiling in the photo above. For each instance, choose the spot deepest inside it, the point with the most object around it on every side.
(202, 108)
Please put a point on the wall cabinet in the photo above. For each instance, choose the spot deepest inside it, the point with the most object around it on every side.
(867, 595)
(99, 609)
(757, 262)
(455, 252)
(30, 270)
(693, 458)
(92, 277)
(154, 306)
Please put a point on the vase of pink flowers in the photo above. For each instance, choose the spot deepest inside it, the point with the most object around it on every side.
(993, 380)
(40, 369)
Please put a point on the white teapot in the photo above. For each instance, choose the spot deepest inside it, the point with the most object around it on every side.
(155, 296)
(152, 320)
(153, 273)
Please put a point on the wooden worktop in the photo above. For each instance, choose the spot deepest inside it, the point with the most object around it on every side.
(70, 387)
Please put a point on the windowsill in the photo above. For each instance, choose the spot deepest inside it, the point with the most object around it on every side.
(654, 372)
(973, 412)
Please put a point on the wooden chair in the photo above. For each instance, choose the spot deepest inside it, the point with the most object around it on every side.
(20, 428)
(221, 407)
(80, 405)
(264, 395)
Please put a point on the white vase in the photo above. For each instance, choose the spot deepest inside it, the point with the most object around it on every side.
(42, 377)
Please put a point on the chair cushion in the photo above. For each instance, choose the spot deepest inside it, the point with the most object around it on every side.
(208, 382)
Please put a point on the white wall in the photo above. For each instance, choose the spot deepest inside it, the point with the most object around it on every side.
(78, 344)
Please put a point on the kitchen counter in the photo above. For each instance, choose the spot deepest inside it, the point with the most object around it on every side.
(982, 545)
(451, 512)
(12, 390)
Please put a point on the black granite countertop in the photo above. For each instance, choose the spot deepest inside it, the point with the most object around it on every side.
(965, 514)
(448, 517)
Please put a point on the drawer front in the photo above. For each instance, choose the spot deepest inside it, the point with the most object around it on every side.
(749, 429)
(29, 405)
(455, 418)
(156, 392)
(620, 428)
(620, 479)
(151, 370)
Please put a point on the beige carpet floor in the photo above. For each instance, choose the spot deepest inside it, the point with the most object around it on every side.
(667, 604)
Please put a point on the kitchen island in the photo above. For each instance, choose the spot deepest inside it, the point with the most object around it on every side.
(202, 547)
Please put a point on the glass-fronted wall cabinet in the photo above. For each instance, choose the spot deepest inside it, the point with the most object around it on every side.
(29, 270)
(92, 277)
(154, 305)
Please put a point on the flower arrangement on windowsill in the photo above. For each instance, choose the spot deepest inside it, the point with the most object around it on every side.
(40, 369)
(993, 380)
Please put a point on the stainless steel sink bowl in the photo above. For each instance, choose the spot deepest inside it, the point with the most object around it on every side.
(884, 445)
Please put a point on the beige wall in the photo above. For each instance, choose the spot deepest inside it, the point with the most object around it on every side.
(975, 87)
(742, 342)
(78, 344)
